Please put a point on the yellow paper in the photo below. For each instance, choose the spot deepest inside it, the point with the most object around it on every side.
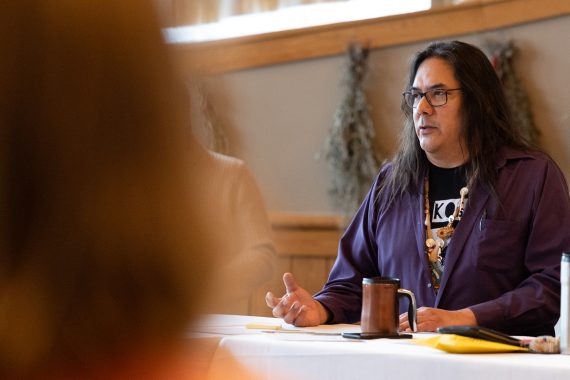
(465, 345)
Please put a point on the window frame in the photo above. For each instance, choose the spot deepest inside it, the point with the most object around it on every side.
(327, 40)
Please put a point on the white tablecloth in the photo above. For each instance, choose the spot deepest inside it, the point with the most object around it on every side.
(308, 356)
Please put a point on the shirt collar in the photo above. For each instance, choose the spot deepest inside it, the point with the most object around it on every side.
(508, 153)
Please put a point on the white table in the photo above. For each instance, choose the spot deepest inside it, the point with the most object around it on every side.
(307, 356)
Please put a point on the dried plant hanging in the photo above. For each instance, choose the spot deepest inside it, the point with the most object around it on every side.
(349, 148)
(213, 129)
(502, 58)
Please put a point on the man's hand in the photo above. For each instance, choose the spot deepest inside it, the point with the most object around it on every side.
(429, 319)
(297, 306)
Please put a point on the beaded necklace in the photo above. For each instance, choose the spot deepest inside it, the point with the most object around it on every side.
(435, 247)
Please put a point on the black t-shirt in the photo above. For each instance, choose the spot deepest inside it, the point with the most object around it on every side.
(444, 187)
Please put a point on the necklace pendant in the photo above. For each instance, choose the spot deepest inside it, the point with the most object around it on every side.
(445, 232)
(434, 250)
(440, 243)
(434, 254)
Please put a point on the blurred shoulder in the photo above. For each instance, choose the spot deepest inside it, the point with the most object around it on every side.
(224, 161)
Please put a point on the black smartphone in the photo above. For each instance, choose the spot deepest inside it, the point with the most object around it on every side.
(375, 336)
(481, 333)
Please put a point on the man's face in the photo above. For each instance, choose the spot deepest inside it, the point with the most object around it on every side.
(439, 128)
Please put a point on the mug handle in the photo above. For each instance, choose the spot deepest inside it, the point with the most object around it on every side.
(411, 307)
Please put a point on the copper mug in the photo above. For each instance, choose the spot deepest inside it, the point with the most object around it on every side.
(380, 307)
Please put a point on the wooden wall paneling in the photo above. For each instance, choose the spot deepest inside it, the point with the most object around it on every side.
(329, 263)
(307, 247)
(307, 241)
(310, 272)
(257, 304)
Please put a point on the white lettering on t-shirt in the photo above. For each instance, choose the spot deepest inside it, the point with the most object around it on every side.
(443, 209)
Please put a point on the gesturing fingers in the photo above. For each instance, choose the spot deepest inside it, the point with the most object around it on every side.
(279, 308)
(290, 283)
(293, 313)
(271, 300)
(283, 306)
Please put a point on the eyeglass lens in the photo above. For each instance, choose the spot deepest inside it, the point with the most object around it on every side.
(435, 97)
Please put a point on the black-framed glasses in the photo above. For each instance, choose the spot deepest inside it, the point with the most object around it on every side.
(436, 97)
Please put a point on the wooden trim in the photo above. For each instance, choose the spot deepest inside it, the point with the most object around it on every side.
(309, 235)
(307, 246)
(285, 220)
(313, 243)
(441, 22)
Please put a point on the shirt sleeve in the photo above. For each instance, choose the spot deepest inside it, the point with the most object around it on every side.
(342, 294)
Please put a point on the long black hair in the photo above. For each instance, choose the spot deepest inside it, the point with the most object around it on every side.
(486, 125)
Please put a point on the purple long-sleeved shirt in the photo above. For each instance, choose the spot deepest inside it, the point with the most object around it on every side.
(503, 261)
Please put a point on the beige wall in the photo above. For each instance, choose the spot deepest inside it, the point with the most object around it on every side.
(277, 117)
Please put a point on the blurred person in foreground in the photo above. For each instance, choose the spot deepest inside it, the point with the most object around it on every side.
(471, 218)
(102, 248)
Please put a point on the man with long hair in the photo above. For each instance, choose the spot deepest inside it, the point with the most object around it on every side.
(468, 215)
